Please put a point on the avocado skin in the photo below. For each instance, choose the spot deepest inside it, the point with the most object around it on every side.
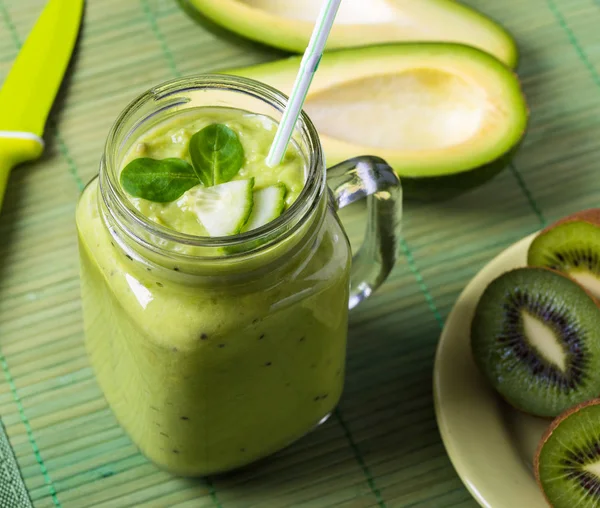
(442, 188)
(427, 188)
(223, 33)
(512, 60)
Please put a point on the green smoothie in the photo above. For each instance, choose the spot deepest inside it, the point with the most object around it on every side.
(209, 373)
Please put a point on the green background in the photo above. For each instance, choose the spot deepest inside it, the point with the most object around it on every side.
(382, 447)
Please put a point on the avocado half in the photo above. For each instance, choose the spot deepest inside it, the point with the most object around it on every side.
(288, 24)
(446, 117)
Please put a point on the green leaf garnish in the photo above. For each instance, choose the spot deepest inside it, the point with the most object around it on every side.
(217, 154)
(160, 181)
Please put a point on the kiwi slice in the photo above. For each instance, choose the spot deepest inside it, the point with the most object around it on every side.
(535, 335)
(567, 463)
(572, 246)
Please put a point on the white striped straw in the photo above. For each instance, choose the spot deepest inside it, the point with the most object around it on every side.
(308, 67)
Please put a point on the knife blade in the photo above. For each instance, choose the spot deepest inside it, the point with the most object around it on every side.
(33, 82)
(29, 91)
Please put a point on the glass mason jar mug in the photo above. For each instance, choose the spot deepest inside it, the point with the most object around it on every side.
(215, 352)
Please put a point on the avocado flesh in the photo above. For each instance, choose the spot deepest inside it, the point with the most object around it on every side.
(445, 116)
(288, 25)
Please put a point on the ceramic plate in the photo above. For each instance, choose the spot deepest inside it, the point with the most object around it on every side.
(490, 444)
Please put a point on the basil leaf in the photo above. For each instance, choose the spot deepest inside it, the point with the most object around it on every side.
(160, 181)
(217, 154)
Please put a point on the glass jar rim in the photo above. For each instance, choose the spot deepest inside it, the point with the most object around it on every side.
(265, 235)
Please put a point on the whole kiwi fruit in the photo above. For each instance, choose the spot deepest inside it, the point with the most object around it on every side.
(535, 335)
(567, 462)
(572, 246)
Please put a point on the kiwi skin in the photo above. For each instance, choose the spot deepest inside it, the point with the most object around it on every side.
(527, 409)
(591, 215)
(555, 423)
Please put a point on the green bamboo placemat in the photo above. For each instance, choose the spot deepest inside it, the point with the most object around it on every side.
(382, 447)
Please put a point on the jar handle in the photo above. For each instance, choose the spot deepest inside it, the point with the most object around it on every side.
(371, 178)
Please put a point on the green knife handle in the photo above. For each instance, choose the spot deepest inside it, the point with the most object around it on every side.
(16, 148)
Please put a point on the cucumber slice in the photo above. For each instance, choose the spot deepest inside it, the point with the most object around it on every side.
(224, 209)
(268, 205)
